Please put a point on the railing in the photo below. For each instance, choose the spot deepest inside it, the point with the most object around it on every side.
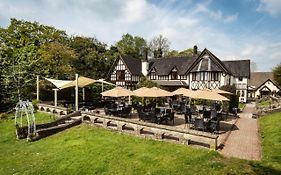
(151, 130)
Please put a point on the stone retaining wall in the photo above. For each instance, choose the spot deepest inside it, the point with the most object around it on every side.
(261, 111)
(53, 109)
(151, 130)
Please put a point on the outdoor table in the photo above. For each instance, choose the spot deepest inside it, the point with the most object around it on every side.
(163, 109)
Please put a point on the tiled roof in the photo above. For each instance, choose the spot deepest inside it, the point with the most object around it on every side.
(133, 64)
(239, 68)
(164, 66)
(258, 78)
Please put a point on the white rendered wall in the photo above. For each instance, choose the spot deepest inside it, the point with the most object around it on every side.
(268, 84)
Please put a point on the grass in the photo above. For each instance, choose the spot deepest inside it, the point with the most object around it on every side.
(265, 103)
(271, 140)
(86, 149)
(241, 105)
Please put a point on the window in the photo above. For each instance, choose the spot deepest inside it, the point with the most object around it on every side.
(193, 76)
(183, 77)
(120, 74)
(214, 76)
(153, 76)
(240, 78)
(174, 75)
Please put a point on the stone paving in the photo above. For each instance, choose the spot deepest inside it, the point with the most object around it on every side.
(243, 141)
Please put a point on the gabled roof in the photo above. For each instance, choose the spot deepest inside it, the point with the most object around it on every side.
(210, 63)
(259, 78)
(163, 66)
(239, 68)
(133, 64)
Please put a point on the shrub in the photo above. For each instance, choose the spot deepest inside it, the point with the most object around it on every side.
(35, 104)
(3, 116)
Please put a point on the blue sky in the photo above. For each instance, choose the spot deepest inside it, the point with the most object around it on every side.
(231, 29)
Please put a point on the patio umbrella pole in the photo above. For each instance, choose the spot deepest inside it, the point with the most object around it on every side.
(83, 94)
(76, 92)
(56, 97)
(101, 86)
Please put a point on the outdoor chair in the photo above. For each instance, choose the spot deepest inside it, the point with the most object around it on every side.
(199, 124)
(171, 117)
(213, 114)
(206, 114)
(106, 110)
(154, 119)
(125, 112)
(142, 115)
(214, 125)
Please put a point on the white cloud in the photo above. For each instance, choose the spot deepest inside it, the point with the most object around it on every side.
(231, 18)
(203, 8)
(109, 20)
(272, 7)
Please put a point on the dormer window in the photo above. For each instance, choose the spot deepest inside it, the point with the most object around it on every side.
(174, 74)
(153, 74)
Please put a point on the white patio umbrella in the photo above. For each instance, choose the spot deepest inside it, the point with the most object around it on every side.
(219, 91)
(117, 92)
(151, 92)
(209, 95)
(102, 81)
(185, 92)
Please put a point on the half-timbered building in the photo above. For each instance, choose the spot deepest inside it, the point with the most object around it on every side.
(126, 72)
(194, 72)
(261, 83)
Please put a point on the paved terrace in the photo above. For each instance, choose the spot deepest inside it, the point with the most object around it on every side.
(244, 141)
(224, 132)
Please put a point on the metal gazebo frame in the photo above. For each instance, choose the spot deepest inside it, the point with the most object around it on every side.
(25, 109)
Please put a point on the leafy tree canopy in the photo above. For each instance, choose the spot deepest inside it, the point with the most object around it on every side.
(277, 74)
(160, 46)
(131, 45)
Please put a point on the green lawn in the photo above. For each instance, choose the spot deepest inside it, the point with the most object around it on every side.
(271, 134)
(241, 105)
(264, 103)
(89, 150)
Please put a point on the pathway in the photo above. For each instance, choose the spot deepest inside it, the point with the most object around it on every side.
(243, 141)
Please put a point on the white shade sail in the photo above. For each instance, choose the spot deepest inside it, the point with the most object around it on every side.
(105, 82)
(82, 82)
(58, 83)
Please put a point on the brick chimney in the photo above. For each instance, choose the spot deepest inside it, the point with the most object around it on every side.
(195, 49)
(144, 61)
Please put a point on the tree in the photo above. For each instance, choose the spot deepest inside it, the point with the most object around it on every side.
(131, 45)
(159, 45)
(144, 82)
(20, 62)
(185, 53)
(57, 60)
(94, 60)
(277, 74)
